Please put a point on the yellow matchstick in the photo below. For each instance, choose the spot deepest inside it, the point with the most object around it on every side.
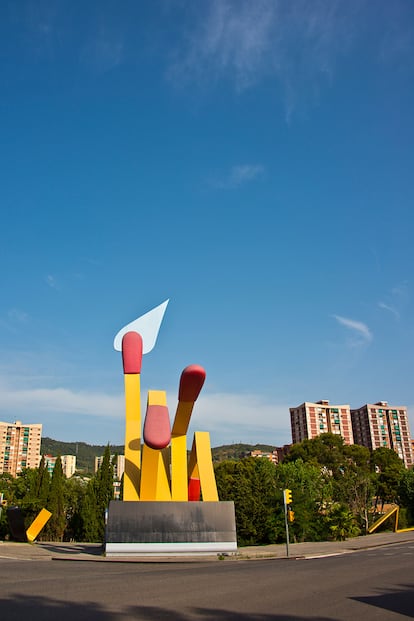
(132, 360)
(157, 435)
(191, 383)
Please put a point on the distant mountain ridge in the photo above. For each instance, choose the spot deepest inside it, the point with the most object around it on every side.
(86, 453)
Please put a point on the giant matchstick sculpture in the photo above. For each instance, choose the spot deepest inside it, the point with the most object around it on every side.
(170, 502)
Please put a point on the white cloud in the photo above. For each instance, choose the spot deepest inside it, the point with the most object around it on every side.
(29, 402)
(357, 327)
(239, 175)
(228, 417)
(390, 309)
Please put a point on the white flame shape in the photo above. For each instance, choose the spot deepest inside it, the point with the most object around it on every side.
(147, 326)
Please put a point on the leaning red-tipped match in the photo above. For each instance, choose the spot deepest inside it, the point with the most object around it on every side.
(191, 383)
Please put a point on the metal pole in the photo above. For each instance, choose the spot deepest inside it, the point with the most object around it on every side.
(287, 527)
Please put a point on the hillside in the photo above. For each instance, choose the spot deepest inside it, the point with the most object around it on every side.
(238, 451)
(86, 453)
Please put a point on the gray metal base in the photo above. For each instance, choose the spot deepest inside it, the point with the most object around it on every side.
(146, 528)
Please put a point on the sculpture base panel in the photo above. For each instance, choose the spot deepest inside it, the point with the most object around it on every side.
(155, 528)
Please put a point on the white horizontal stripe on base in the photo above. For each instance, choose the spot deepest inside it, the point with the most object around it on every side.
(175, 549)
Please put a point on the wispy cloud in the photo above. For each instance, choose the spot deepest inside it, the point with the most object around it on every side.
(239, 175)
(397, 299)
(14, 319)
(401, 290)
(390, 309)
(294, 42)
(358, 329)
(17, 316)
(51, 281)
(297, 43)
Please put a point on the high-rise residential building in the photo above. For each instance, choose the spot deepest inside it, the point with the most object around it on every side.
(19, 447)
(309, 420)
(68, 464)
(379, 424)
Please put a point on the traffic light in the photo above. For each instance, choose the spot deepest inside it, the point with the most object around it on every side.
(291, 515)
(288, 496)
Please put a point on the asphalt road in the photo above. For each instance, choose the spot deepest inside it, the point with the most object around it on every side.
(376, 584)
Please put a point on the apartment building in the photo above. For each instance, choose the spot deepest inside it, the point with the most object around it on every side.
(19, 447)
(273, 456)
(310, 420)
(379, 424)
(68, 464)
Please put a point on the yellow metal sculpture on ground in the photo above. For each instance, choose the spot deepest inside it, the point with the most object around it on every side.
(170, 502)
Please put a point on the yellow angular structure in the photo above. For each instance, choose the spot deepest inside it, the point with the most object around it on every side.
(37, 524)
(201, 466)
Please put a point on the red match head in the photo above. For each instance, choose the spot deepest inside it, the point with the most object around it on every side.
(157, 428)
(132, 353)
(191, 383)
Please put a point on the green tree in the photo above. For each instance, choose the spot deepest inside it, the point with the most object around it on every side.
(406, 493)
(250, 483)
(55, 527)
(89, 520)
(354, 485)
(327, 450)
(341, 522)
(388, 470)
(74, 492)
(86, 524)
(7, 488)
(311, 488)
(105, 482)
(42, 484)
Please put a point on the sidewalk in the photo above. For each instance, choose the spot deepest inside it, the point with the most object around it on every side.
(327, 548)
(93, 552)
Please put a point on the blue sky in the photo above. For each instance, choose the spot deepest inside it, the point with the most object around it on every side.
(250, 161)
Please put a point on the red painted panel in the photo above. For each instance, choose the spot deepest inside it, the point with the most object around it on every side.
(132, 353)
(191, 383)
(194, 489)
(157, 428)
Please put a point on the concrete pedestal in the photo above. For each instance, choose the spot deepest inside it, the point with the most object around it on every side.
(147, 528)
